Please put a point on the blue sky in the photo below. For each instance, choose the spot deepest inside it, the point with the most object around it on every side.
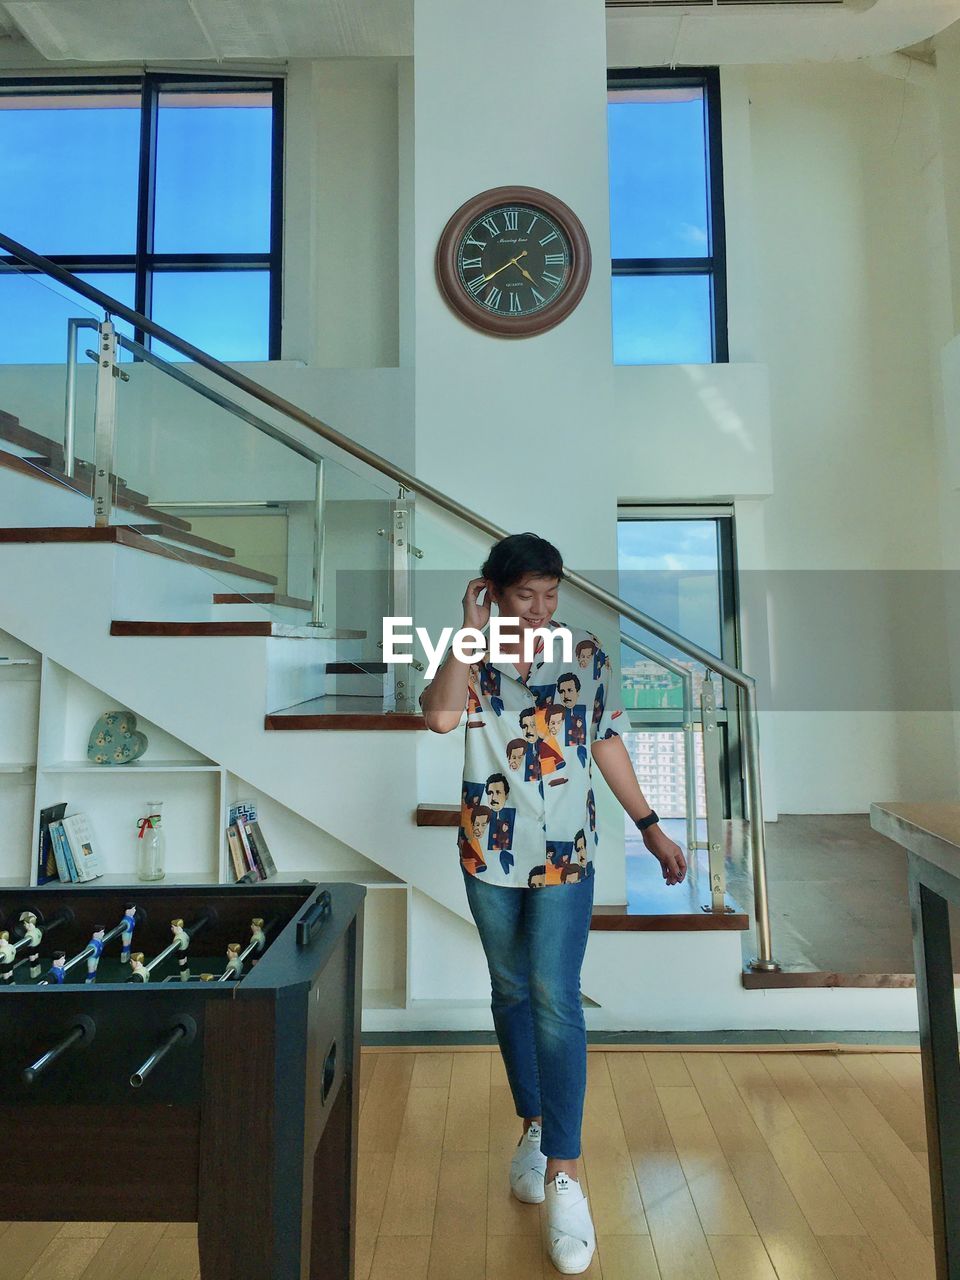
(668, 568)
(213, 195)
(658, 208)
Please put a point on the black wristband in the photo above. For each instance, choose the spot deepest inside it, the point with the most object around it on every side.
(648, 821)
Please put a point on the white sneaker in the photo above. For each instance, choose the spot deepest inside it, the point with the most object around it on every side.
(571, 1239)
(527, 1167)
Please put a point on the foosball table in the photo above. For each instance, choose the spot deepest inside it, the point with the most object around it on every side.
(187, 1054)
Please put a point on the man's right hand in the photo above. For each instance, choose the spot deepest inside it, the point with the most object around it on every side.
(475, 614)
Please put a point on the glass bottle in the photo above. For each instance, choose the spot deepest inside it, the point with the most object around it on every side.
(150, 845)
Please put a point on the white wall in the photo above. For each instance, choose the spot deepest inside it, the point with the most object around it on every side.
(848, 217)
(341, 253)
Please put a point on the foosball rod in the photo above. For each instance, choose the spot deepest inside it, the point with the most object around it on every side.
(88, 950)
(184, 1030)
(82, 1029)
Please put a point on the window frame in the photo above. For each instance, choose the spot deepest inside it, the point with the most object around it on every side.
(714, 265)
(143, 264)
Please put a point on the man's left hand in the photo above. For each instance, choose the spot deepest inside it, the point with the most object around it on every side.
(667, 852)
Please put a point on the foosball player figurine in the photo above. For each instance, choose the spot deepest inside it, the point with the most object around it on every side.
(138, 970)
(181, 936)
(126, 938)
(32, 938)
(234, 970)
(93, 959)
(58, 967)
(7, 955)
(257, 935)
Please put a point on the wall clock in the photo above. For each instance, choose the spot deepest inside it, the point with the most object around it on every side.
(513, 261)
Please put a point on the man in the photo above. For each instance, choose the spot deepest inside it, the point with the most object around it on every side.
(533, 915)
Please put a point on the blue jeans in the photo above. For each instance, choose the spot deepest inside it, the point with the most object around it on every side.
(534, 940)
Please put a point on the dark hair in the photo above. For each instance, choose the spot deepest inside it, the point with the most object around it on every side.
(519, 554)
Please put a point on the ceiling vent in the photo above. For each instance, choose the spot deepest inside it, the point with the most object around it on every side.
(738, 4)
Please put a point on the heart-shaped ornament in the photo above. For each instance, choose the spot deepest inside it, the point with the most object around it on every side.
(115, 739)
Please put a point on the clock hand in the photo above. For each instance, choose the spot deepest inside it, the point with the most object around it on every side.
(525, 272)
(512, 263)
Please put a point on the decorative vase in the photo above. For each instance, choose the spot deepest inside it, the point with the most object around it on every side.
(150, 843)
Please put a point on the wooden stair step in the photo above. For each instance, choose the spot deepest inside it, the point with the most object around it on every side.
(283, 630)
(83, 484)
(50, 452)
(120, 533)
(343, 711)
(786, 979)
(27, 467)
(262, 597)
(665, 917)
(438, 815)
(85, 479)
(180, 535)
(357, 668)
(14, 432)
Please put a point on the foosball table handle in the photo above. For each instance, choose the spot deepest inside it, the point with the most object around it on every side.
(81, 1032)
(182, 1031)
(312, 918)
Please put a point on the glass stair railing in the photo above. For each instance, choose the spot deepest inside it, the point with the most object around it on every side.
(296, 526)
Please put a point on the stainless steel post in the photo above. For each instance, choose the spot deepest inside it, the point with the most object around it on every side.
(751, 740)
(70, 405)
(105, 424)
(711, 775)
(316, 619)
(400, 593)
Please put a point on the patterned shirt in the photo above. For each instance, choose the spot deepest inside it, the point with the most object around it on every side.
(528, 816)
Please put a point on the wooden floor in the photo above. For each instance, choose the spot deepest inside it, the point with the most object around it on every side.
(698, 1165)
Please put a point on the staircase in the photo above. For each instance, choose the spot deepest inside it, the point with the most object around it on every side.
(277, 703)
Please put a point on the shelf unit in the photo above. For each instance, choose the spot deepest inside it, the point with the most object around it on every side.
(19, 728)
(46, 713)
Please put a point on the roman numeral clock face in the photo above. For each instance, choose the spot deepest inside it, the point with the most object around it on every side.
(512, 266)
(514, 260)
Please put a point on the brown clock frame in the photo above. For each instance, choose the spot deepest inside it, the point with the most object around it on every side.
(463, 302)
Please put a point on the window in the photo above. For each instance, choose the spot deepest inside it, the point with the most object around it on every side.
(677, 565)
(666, 217)
(163, 191)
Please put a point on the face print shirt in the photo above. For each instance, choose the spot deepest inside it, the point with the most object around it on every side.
(528, 816)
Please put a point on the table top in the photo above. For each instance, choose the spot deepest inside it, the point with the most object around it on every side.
(931, 830)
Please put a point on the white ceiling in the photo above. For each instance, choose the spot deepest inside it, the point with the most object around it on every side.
(763, 33)
(161, 30)
(700, 32)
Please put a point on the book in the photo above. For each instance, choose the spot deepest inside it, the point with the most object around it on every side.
(244, 809)
(261, 849)
(251, 848)
(61, 848)
(236, 851)
(76, 828)
(248, 861)
(47, 869)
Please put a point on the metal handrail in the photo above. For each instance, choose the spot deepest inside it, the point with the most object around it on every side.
(746, 683)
